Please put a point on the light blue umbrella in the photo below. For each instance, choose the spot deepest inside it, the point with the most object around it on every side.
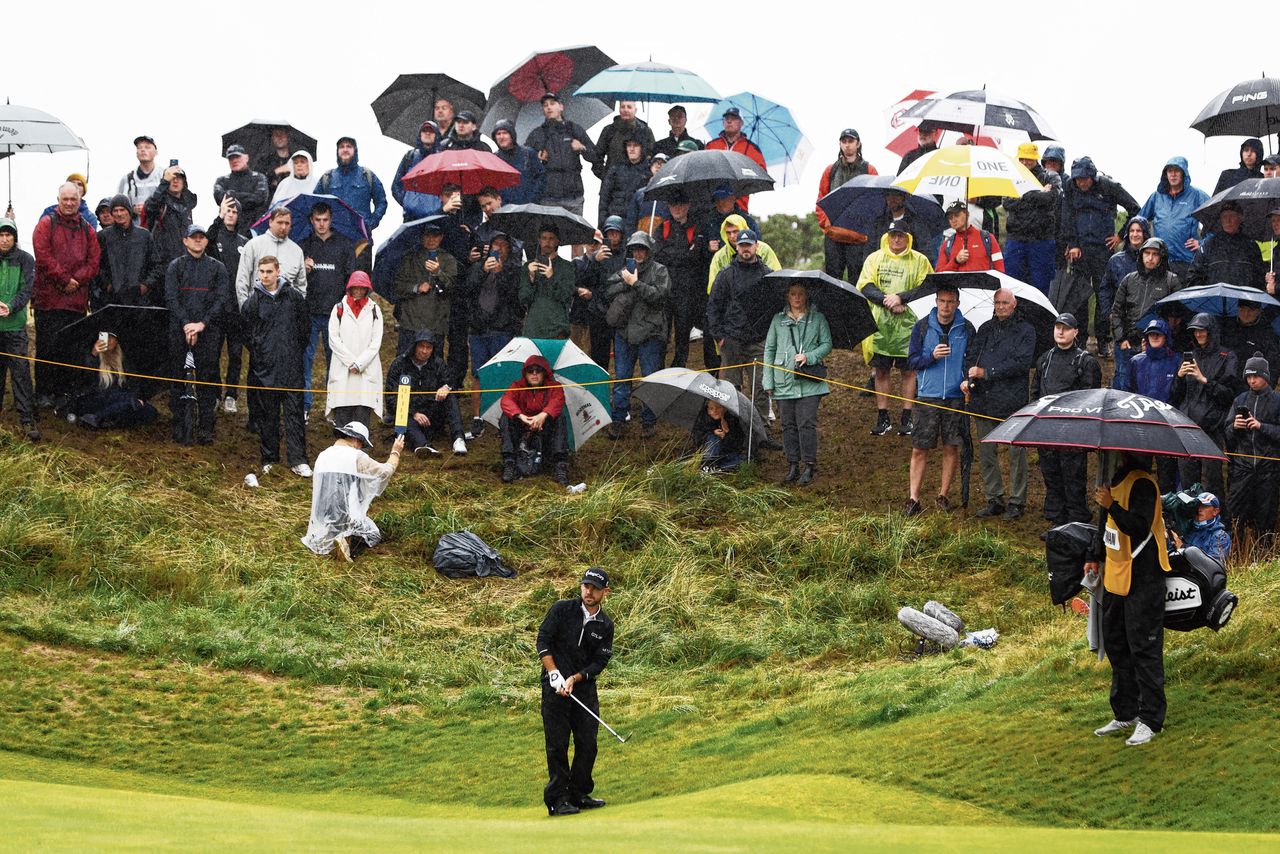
(649, 81)
(771, 127)
(345, 219)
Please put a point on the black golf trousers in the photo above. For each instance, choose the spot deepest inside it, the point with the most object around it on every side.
(562, 717)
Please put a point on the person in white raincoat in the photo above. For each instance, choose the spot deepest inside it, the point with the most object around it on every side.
(301, 180)
(355, 373)
(345, 482)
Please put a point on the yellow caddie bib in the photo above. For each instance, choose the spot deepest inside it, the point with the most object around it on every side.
(1118, 571)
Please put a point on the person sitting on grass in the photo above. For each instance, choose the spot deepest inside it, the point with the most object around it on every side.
(721, 438)
(346, 481)
(532, 423)
(432, 409)
(110, 401)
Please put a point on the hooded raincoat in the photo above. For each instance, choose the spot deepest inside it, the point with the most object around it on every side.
(355, 334)
(883, 274)
(357, 186)
(1172, 216)
(1137, 293)
(345, 482)
(294, 186)
(727, 252)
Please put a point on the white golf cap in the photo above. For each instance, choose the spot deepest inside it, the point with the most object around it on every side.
(356, 430)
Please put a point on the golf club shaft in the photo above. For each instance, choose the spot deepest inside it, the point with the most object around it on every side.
(598, 718)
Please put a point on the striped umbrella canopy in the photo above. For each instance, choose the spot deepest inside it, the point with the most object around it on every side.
(969, 110)
(649, 81)
(969, 171)
(771, 127)
(1249, 108)
(586, 406)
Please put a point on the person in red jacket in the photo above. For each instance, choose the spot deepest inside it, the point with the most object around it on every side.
(532, 421)
(67, 256)
(843, 249)
(970, 248)
(733, 139)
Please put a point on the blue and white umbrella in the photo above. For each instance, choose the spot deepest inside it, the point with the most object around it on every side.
(771, 127)
(649, 81)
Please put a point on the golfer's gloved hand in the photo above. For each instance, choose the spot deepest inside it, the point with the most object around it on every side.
(556, 680)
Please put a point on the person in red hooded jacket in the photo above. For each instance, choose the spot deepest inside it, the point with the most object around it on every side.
(67, 256)
(532, 414)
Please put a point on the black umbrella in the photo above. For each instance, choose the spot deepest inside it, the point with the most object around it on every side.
(695, 174)
(680, 394)
(256, 139)
(1105, 419)
(386, 262)
(847, 311)
(138, 328)
(1256, 197)
(524, 222)
(857, 204)
(411, 100)
(1249, 108)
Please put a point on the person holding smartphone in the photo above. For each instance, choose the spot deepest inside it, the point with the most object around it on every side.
(638, 314)
(548, 290)
(1204, 388)
(1252, 429)
(425, 282)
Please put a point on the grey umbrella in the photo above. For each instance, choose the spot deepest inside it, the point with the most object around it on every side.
(679, 394)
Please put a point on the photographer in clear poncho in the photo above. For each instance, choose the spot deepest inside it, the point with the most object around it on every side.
(346, 480)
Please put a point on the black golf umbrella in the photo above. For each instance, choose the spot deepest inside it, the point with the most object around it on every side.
(858, 202)
(1249, 108)
(977, 300)
(524, 222)
(679, 394)
(694, 175)
(1106, 419)
(386, 261)
(1256, 197)
(256, 139)
(847, 311)
(411, 100)
(138, 328)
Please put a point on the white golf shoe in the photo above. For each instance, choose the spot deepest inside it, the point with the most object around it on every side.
(1141, 735)
(460, 446)
(1114, 727)
(301, 470)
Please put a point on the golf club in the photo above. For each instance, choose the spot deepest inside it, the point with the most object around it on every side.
(598, 718)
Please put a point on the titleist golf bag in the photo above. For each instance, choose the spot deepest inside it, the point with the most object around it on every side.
(1197, 584)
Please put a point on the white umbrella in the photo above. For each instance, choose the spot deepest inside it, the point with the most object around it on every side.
(26, 129)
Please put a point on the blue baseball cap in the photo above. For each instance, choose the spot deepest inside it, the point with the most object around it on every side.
(194, 229)
(1208, 499)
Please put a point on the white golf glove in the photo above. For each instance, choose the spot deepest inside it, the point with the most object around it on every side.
(556, 680)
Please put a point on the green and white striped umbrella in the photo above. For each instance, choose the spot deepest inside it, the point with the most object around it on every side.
(587, 406)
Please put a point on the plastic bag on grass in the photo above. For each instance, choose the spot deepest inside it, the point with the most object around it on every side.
(462, 554)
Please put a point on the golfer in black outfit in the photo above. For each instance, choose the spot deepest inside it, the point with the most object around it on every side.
(574, 643)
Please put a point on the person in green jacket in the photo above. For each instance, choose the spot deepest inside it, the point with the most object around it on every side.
(17, 273)
(548, 293)
(799, 339)
(888, 272)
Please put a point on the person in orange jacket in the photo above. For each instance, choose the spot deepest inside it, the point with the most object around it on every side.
(843, 249)
(970, 248)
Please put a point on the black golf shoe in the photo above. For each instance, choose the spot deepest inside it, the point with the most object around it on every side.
(586, 802)
(563, 808)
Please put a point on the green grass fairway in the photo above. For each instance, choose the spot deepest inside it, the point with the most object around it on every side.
(797, 813)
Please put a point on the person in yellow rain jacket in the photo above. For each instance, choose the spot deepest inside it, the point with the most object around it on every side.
(1135, 561)
(728, 250)
(888, 272)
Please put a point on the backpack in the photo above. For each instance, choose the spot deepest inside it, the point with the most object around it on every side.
(327, 178)
(986, 242)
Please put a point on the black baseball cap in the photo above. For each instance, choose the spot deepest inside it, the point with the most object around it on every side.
(550, 96)
(467, 116)
(849, 133)
(235, 150)
(732, 111)
(143, 138)
(596, 577)
(1066, 319)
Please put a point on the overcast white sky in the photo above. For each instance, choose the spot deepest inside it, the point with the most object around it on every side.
(1119, 82)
